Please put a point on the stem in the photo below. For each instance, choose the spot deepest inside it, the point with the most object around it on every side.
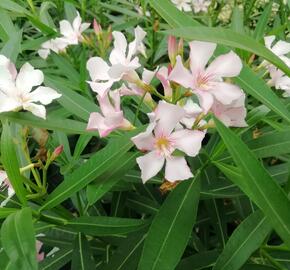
(272, 260)
(138, 108)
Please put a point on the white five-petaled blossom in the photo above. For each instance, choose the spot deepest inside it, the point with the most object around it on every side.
(200, 5)
(182, 4)
(5, 184)
(112, 116)
(278, 79)
(71, 34)
(161, 140)
(16, 90)
(207, 82)
(123, 62)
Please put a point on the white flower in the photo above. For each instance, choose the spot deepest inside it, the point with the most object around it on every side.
(16, 90)
(182, 4)
(5, 184)
(56, 45)
(72, 33)
(123, 61)
(281, 48)
(200, 5)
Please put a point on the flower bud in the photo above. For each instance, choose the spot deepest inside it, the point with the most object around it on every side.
(172, 49)
(56, 153)
(97, 28)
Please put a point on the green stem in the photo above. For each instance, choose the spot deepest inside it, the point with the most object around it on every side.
(138, 108)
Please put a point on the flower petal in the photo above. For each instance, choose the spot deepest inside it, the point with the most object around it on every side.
(188, 141)
(150, 164)
(37, 110)
(226, 65)
(176, 169)
(200, 53)
(120, 42)
(77, 22)
(145, 140)
(268, 41)
(44, 95)
(101, 88)
(205, 100)
(168, 116)
(281, 48)
(98, 69)
(28, 77)
(66, 28)
(181, 75)
(226, 93)
(8, 104)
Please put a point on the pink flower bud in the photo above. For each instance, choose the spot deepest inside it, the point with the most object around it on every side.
(97, 28)
(57, 152)
(172, 48)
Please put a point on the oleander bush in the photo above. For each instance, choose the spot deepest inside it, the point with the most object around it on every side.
(144, 134)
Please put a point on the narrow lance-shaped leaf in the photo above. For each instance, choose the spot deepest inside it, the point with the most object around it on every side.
(264, 191)
(10, 162)
(18, 239)
(169, 232)
(243, 242)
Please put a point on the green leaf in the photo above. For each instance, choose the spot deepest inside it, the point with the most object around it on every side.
(7, 24)
(51, 123)
(243, 242)
(262, 22)
(258, 184)
(127, 254)
(10, 162)
(12, 47)
(230, 38)
(169, 232)
(82, 257)
(247, 80)
(18, 239)
(101, 162)
(12, 6)
(57, 261)
(100, 226)
(71, 100)
(5, 212)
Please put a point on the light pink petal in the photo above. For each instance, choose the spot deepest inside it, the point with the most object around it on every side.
(120, 42)
(28, 77)
(98, 69)
(188, 141)
(97, 122)
(281, 48)
(181, 75)
(205, 100)
(84, 26)
(37, 110)
(148, 75)
(66, 28)
(8, 104)
(105, 104)
(44, 95)
(145, 140)
(77, 22)
(200, 53)
(117, 71)
(116, 99)
(226, 65)
(176, 169)
(168, 115)
(268, 41)
(136, 45)
(150, 164)
(7, 84)
(191, 108)
(226, 93)
(44, 53)
(101, 88)
(162, 76)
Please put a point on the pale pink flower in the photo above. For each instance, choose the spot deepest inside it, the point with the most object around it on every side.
(280, 48)
(123, 62)
(112, 116)
(200, 5)
(56, 45)
(72, 33)
(207, 82)
(97, 28)
(16, 90)
(232, 115)
(161, 140)
(182, 4)
(5, 184)
(39, 256)
(279, 80)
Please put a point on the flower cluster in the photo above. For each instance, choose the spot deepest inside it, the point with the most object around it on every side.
(188, 5)
(71, 34)
(191, 92)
